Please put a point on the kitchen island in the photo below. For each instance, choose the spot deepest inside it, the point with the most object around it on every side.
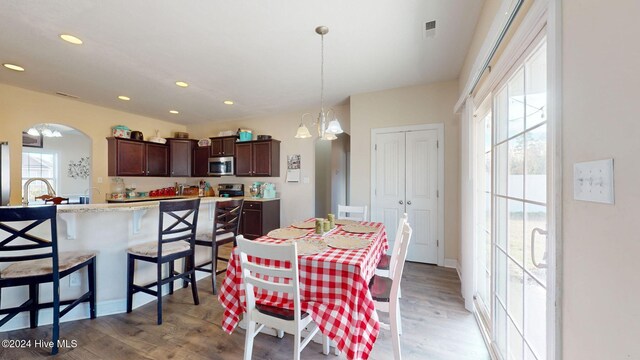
(109, 230)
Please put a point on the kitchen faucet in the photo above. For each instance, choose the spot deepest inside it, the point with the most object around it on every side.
(25, 190)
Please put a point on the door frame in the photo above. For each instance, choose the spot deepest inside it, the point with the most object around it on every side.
(544, 15)
(439, 127)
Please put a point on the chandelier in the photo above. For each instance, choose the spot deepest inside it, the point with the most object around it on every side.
(327, 123)
(44, 130)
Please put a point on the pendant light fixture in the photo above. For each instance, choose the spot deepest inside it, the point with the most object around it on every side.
(327, 123)
(44, 130)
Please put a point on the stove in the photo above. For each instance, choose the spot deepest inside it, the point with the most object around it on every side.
(228, 190)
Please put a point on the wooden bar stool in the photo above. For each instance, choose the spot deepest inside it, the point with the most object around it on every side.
(37, 262)
(225, 230)
(175, 241)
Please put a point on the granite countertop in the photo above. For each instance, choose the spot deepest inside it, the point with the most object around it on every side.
(141, 204)
(249, 198)
(124, 206)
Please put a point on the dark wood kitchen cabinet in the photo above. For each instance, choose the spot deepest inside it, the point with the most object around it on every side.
(258, 158)
(259, 217)
(137, 158)
(223, 145)
(200, 166)
(180, 156)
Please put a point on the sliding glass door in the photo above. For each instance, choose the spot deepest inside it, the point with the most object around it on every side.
(511, 210)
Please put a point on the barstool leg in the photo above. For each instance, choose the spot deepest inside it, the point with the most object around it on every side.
(159, 292)
(56, 314)
(130, 269)
(214, 265)
(194, 287)
(33, 313)
(185, 267)
(92, 288)
(171, 271)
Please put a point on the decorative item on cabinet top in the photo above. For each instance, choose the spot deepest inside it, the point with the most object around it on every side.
(204, 142)
(121, 131)
(137, 135)
(181, 135)
(157, 138)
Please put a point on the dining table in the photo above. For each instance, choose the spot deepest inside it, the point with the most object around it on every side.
(334, 287)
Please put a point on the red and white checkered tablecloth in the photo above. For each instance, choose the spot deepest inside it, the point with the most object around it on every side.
(334, 291)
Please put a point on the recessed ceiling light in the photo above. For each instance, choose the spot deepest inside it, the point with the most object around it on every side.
(71, 39)
(182, 83)
(125, 98)
(13, 67)
(228, 102)
(174, 111)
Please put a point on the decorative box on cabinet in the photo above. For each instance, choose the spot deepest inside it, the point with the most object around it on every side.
(259, 217)
(258, 158)
(128, 157)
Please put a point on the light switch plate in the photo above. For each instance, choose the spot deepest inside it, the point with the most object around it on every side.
(593, 181)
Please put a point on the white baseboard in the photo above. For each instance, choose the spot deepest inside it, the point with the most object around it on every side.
(453, 264)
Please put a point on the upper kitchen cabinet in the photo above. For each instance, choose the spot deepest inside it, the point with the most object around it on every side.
(223, 145)
(137, 158)
(200, 166)
(258, 158)
(180, 156)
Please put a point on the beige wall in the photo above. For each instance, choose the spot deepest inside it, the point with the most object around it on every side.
(489, 10)
(297, 199)
(601, 279)
(20, 109)
(425, 104)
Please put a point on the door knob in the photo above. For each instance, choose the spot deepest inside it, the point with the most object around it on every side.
(409, 202)
(400, 202)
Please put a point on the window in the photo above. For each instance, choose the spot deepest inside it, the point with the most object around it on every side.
(40, 165)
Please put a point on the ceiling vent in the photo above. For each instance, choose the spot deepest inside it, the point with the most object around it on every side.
(67, 95)
(429, 30)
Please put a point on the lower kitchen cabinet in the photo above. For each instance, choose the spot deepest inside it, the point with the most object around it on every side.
(259, 217)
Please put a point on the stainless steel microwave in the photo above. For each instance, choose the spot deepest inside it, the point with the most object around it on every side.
(219, 166)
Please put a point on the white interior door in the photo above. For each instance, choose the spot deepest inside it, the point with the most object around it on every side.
(421, 197)
(405, 179)
(389, 187)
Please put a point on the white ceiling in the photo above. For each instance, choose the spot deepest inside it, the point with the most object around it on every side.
(264, 55)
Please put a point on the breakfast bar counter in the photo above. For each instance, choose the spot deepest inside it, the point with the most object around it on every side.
(109, 230)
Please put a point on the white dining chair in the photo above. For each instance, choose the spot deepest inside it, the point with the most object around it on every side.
(385, 291)
(385, 262)
(358, 213)
(260, 276)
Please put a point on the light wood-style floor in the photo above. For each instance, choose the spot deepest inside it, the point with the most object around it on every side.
(435, 325)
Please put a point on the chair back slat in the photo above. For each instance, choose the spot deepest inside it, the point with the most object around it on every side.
(182, 216)
(227, 217)
(15, 234)
(25, 257)
(25, 247)
(180, 221)
(358, 213)
(398, 265)
(396, 243)
(23, 233)
(270, 268)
